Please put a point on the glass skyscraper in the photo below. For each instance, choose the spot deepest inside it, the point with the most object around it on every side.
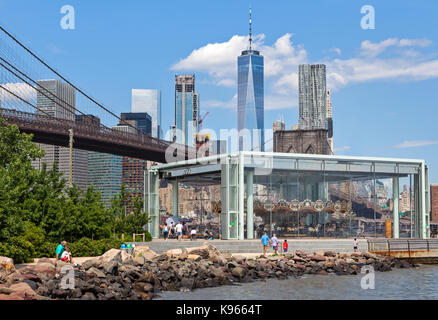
(105, 174)
(186, 110)
(250, 97)
(312, 96)
(149, 100)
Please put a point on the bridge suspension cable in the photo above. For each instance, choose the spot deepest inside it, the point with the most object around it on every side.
(52, 70)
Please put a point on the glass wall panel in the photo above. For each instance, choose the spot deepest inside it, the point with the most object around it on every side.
(199, 208)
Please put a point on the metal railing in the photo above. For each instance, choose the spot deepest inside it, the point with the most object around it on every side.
(386, 246)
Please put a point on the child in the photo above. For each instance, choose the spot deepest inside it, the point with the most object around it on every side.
(355, 245)
(285, 246)
(66, 257)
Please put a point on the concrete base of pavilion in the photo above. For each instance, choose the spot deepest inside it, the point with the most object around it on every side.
(254, 246)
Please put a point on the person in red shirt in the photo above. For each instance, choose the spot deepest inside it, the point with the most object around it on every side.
(285, 246)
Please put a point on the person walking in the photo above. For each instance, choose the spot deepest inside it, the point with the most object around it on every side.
(265, 242)
(274, 243)
(166, 232)
(355, 244)
(179, 228)
(172, 230)
(285, 246)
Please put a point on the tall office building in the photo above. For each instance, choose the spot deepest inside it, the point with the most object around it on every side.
(132, 168)
(250, 96)
(104, 170)
(141, 120)
(149, 100)
(329, 116)
(186, 110)
(105, 174)
(312, 96)
(59, 101)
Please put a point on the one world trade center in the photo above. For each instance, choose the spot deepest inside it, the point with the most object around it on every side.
(250, 93)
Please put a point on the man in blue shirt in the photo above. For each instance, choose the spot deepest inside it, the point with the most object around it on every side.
(60, 249)
(265, 242)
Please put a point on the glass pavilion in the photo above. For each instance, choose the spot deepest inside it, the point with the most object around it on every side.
(240, 195)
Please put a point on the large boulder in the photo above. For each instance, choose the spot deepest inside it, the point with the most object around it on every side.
(143, 287)
(300, 253)
(115, 254)
(139, 261)
(330, 254)
(317, 257)
(96, 272)
(238, 272)
(194, 257)
(24, 291)
(36, 272)
(218, 258)
(7, 262)
(111, 267)
(368, 255)
(174, 252)
(205, 251)
(94, 262)
(145, 252)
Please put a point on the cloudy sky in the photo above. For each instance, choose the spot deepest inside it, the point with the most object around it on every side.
(384, 81)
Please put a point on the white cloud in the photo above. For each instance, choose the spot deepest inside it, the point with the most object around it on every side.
(418, 143)
(219, 60)
(372, 49)
(336, 50)
(20, 89)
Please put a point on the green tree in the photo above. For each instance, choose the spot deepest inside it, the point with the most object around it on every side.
(17, 178)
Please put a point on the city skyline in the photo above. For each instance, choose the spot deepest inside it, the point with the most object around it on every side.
(379, 78)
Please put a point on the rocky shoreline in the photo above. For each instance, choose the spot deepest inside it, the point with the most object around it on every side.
(118, 276)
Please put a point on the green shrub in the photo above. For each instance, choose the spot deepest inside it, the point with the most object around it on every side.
(19, 249)
(86, 247)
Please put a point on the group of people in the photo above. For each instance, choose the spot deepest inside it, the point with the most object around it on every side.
(177, 231)
(274, 242)
(265, 240)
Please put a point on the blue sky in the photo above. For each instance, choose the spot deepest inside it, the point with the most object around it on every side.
(384, 81)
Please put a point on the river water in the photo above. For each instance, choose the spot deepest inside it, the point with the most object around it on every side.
(416, 283)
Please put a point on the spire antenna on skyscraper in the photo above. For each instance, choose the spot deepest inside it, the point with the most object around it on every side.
(250, 28)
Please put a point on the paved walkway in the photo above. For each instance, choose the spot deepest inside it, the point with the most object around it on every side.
(254, 246)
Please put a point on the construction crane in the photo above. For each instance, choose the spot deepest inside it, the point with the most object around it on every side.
(201, 119)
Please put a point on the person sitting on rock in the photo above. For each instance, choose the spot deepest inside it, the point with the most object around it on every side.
(66, 255)
(60, 249)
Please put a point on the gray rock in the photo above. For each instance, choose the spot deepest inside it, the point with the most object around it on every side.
(238, 272)
(88, 296)
(97, 272)
(111, 267)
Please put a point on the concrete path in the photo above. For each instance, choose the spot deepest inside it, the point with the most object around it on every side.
(254, 246)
